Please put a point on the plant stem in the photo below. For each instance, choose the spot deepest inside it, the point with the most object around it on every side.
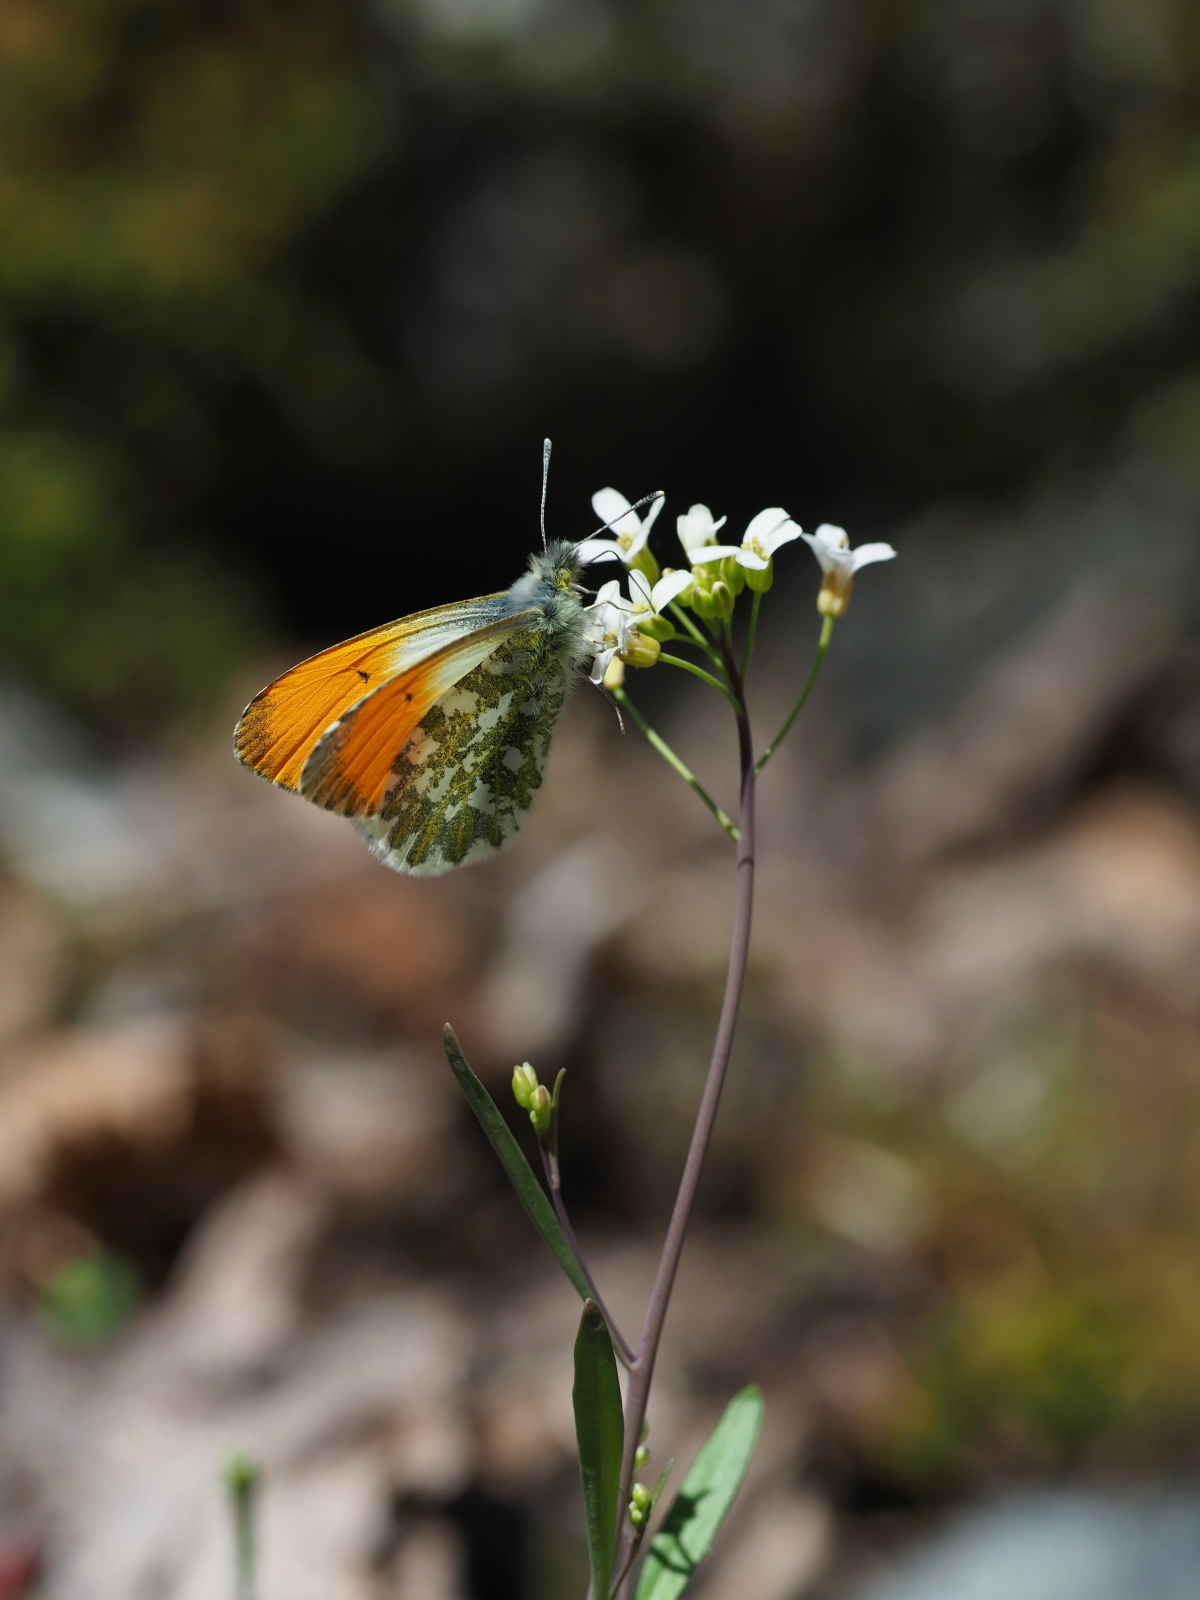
(698, 638)
(551, 1170)
(242, 1480)
(751, 633)
(672, 760)
(699, 672)
(822, 646)
(641, 1371)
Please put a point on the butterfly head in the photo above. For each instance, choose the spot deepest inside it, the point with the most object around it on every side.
(551, 586)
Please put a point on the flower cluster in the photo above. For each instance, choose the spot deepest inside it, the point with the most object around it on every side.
(630, 630)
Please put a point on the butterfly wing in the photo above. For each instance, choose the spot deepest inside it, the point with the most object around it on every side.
(352, 764)
(467, 775)
(279, 729)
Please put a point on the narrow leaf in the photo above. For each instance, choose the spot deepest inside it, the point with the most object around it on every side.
(512, 1158)
(600, 1430)
(660, 1482)
(703, 1500)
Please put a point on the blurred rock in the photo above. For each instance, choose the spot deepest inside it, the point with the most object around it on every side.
(1117, 881)
(369, 1126)
(241, 1277)
(369, 948)
(430, 1563)
(551, 931)
(132, 1464)
(1055, 1546)
(777, 1552)
(1010, 747)
(128, 1131)
(32, 963)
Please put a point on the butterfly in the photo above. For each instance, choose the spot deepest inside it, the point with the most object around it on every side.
(432, 732)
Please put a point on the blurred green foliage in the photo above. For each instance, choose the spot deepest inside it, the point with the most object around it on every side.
(159, 158)
(1060, 1226)
(90, 1300)
(269, 269)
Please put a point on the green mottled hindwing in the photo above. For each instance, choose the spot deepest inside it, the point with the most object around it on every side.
(466, 777)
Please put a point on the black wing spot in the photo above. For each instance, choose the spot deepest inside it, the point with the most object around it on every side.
(408, 697)
(365, 676)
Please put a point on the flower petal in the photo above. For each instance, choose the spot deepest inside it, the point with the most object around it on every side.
(830, 556)
(639, 590)
(784, 534)
(751, 559)
(832, 537)
(611, 506)
(713, 552)
(696, 528)
(867, 553)
(765, 524)
(588, 550)
(669, 588)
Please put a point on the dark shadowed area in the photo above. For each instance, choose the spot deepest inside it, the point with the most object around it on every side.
(290, 293)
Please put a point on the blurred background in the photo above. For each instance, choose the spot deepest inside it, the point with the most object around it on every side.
(290, 291)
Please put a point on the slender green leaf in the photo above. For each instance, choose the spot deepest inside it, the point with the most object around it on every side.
(600, 1430)
(703, 1500)
(660, 1482)
(529, 1191)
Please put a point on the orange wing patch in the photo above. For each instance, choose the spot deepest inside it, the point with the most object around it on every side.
(279, 729)
(351, 765)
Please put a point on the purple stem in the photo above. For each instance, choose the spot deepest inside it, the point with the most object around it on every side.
(641, 1370)
(550, 1168)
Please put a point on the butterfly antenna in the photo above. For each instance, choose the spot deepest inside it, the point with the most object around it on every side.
(545, 481)
(657, 494)
(615, 706)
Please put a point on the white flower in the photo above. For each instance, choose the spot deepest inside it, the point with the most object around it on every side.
(608, 623)
(612, 621)
(630, 531)
(764, 535)
(646, 598)
(839, 563)
(697, 530)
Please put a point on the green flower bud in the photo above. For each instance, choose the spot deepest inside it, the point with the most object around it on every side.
(700, 596)
(640, 651)
(733, 574)
(644, 562)
(723, 599)
(641, 1456)
(760, 582)
(639, 1504)
(684, 599)
(540, 1108)
(656, 627)
(524, 1083)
